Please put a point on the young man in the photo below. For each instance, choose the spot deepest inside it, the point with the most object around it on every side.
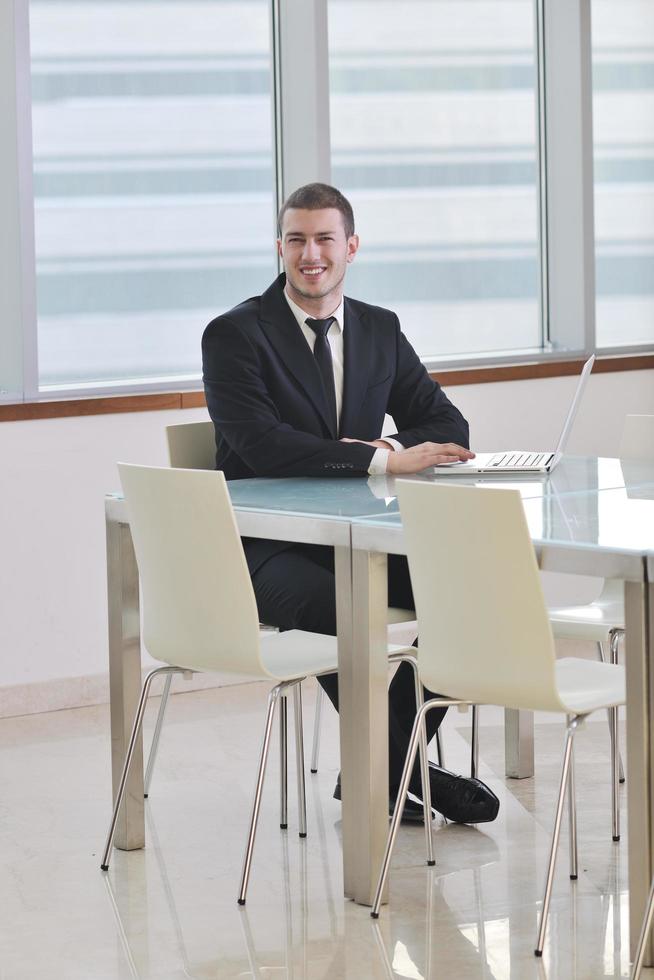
(298, 382)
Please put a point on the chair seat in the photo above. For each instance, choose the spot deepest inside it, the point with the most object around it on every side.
(585, 685)
(593, 621)
(296, 653)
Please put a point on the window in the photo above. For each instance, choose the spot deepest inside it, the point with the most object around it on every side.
(623, 120)
(153, 180)
(138, 202)
(433, 119)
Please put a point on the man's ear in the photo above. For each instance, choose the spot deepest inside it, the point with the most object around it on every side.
(352, 247)
(279, 248)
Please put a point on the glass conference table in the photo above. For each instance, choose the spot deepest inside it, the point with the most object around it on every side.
(592, 516)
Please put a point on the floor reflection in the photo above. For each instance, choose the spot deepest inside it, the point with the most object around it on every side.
(170, 910)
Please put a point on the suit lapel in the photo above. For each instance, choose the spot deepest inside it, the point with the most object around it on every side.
(282, 330)
(357, 349)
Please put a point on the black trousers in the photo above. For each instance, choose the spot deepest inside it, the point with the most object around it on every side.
(296, 590)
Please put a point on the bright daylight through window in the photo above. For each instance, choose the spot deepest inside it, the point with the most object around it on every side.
(623, 123)
(153, 180)
(434, 138)
(156, 171)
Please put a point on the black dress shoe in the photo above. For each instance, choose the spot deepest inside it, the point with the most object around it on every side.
(459, 798)
(413, 812)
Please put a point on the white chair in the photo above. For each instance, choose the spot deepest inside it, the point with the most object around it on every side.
(602, 621)
(200, 614)
(192, 445)
(485, 635)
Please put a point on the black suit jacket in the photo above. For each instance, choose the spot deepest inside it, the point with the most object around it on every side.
(265, 396)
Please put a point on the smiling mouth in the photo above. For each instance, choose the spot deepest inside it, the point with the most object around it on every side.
(313, 271)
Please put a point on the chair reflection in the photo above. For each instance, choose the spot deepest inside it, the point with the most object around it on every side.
(137, 887)
(458, 919)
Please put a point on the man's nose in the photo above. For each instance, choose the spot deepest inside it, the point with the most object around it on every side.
(311, 250)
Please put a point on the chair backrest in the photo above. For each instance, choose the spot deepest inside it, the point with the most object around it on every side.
(192, 445)
(199, 609)
(484, 632)
(637, 437)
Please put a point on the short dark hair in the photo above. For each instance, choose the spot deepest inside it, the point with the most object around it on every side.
(315, 197)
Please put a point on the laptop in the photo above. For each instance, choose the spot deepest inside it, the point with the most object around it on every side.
(518, 460)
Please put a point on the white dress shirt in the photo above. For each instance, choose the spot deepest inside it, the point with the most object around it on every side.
(379, 461)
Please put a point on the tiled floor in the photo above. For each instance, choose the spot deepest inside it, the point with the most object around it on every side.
(170, 910)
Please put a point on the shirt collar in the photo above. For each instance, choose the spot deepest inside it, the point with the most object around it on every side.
(301, 315)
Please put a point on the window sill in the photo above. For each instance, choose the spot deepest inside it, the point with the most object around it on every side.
(173, 400)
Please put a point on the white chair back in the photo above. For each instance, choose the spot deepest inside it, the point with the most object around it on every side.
(484, 630)
(199, 609)
(637, 437)
(192, 445)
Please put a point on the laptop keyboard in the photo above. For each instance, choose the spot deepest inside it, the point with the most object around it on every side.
(524, 460)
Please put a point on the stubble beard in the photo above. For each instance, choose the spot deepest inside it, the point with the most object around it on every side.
(298, 287)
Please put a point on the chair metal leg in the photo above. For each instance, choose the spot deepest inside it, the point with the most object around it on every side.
(614, 640)
(400, 658)
(572, 814)
(614, 644)
(256, 804)
(317, 723)
(440, 754)
(617, 771)
(320, 697)
(540, 941)
(409, 762)
(474, 748)
(283, 762)
(424, 764)
(644, 933)
(129, 755)
(615, 782)
(154, 747)
(299, 759)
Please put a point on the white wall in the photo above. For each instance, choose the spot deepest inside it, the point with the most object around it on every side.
(53, 617)
(530, 414)
(55, 473)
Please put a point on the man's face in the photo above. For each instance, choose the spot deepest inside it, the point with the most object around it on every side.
(315, 252)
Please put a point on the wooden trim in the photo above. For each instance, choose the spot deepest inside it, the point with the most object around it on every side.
(193, 399)
(111, 405)
(539, 369)
(448, 377)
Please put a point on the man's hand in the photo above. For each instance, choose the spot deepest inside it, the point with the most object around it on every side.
(426, 454)
(419, 457)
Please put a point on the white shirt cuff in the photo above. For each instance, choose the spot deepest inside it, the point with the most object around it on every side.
(397, 446)
(379, 462)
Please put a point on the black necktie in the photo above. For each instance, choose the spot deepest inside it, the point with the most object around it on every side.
(323, 356)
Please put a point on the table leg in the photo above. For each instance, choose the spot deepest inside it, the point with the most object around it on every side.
(363, 701)
(124, 678)
(343, 572)
(639, 647)
(518, 743)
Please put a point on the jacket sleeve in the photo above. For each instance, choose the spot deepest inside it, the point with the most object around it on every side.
(248, 420)
(421, 410)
